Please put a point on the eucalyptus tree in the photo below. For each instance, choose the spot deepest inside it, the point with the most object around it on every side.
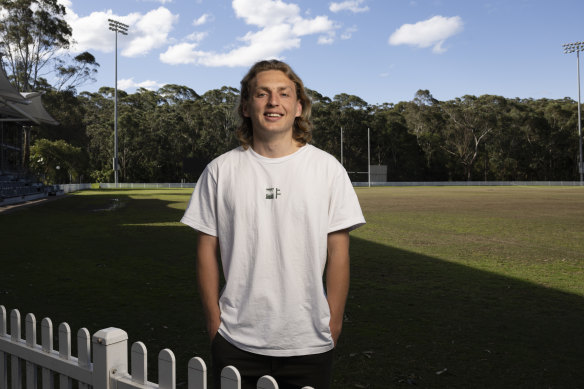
(175, 109)
(326, 130)
(393, 145)
(500, 153)
(221, 118)
(35, 40)
(68, 109)
(99, 126)
(176, 94)
(149, 136)
(71, 73)
(353, 114)
(560, 142)
(468, 121)
(533, 141)
(425, 120)
(57, 162)
(138, 140)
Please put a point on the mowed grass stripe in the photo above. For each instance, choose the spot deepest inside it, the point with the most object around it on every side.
(533, 233)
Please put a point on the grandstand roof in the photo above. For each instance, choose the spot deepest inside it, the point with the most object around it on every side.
(21, 107)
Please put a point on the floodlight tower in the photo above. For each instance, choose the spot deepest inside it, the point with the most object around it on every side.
(570, 48)
(121, 28)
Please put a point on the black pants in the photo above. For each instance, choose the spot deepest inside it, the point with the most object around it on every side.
(290, 372)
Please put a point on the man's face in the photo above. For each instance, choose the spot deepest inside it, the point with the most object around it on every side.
(273, 104)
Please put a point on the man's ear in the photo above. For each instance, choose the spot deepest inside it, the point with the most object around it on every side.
(298, 108)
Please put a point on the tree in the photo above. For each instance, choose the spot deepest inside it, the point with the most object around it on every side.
(69, 111)
(57, 162)
(425, 120)
(99, 127)
(211, 123)
(469, 121)
(33, 37)
(394, 146)
(32, 33)
(174, 94)
(80, 70)
(353, 114)
(326, 133)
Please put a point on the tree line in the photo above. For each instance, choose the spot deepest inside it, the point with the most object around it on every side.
(170, 134)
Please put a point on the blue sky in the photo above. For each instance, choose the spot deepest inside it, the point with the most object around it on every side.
(380, 50)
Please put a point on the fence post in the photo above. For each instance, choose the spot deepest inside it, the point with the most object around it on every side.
(84, 352)
(230, 378)
(47, 346)
(31, 370)
(65, 353)
(197, 374)
(3, 357)
(166, 370)
(110, 356)
(267, 382)
(16, 374)
(139, 364)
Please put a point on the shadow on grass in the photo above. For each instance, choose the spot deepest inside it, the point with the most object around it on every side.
(410, 319)
(417, 320)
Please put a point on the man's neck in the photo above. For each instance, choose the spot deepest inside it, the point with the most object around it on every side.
(275, 148)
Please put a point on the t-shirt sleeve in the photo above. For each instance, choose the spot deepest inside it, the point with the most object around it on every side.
(201, 212)
(344, 209)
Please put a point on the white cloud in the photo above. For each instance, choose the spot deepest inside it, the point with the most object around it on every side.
(265, 12)
(129, 83)
(280, 27)
(159, 1)
(196, 36)
(266, 43)
(203, 19)
(182, 53)
(326, 39)
(349, 5)
(147, 31)
(150, 31)
(318, 25)
(348, 33)
(431, 32)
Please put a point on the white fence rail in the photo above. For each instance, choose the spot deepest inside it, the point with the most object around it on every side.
(68, 188)
(108, 369)
(142, 185)
(472, 183)
(138, 185)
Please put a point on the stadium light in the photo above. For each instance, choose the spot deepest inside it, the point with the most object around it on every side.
(121, 28)
(570, 48)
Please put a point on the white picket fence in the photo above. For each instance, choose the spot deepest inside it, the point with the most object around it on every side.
(108, 369)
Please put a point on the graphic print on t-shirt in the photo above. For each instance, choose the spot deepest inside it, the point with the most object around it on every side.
(272, 193)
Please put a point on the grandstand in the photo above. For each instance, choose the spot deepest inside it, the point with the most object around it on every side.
(15, 189)
(18, 111)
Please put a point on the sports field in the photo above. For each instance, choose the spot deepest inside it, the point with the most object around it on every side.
(452, 287)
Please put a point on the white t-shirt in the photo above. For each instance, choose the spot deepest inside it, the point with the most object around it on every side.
(272, 217)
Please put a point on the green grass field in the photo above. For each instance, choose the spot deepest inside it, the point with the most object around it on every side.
(452, 287)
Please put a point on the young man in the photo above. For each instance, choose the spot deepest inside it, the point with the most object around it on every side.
(279, 211)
